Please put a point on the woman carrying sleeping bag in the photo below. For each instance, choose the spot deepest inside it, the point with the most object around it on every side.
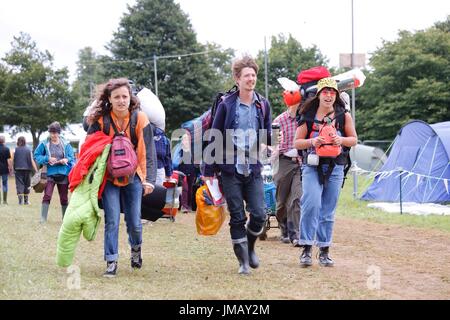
(131, 167)
(325, 133)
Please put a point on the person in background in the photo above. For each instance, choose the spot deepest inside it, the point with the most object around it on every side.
(57, 154)
(288, 175)
(164, 159)
(5, 168)
(23, 165)
(322, 181)
(191, 171)
(163, 156)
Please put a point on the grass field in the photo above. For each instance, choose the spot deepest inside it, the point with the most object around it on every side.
(357, 209)
(180, 264)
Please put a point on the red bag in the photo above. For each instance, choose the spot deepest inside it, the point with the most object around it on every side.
(313, 74)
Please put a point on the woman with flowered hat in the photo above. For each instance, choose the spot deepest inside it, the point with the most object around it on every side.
(322, 177)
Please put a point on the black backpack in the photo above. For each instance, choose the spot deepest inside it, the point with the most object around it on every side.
(343, 158)
(221, 96)
(217, 100)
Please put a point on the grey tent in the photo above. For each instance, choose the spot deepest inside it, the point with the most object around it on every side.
(368, 158)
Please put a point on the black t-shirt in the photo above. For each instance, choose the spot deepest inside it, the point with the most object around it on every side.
(4, 156)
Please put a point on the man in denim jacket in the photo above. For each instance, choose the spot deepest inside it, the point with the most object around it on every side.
(241, 124)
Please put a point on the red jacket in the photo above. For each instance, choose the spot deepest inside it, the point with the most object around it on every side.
(92, 148)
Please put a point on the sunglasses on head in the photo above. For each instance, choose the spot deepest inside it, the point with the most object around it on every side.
(329, 91)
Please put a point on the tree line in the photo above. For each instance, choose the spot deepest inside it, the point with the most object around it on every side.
(408, 78)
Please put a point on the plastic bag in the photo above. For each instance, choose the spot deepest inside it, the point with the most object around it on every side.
(208, 218)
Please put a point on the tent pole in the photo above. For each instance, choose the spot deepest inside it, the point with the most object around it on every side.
(401, 205)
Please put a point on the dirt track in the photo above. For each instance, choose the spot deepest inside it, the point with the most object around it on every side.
(411, 263)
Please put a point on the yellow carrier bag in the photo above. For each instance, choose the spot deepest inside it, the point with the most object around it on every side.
(209, 218)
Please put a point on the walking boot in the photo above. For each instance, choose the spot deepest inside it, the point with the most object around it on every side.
(111, 269)
(44, 212)
(241, 252)
(5, 197)
(324, 259)
(20, 199)
(25, 199)
(136, 257)
(253, 258)
(305, 258)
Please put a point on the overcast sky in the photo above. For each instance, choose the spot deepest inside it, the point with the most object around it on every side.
(63, 27)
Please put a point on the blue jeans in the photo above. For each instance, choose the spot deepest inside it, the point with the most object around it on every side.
(128, 198)
(318, 205)
(5, 182)
(236, 189)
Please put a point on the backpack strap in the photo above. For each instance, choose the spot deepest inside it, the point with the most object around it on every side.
(345, 155)
(310, 119)
(260, 103)
(133, 124)
(323, 178)
(219, 98)
(107, 122)
(340, 120)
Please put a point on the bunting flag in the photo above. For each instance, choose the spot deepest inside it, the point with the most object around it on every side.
(401, 173)
(381, 175)
(418, 179)
(409, 175)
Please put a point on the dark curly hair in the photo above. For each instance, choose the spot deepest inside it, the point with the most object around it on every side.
(103, 106)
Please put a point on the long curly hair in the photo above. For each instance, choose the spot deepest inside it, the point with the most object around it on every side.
(103, 93)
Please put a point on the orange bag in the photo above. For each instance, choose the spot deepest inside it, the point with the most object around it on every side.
(208, 218)
(327, 149)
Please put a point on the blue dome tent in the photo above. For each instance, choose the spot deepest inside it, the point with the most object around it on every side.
(420, 156)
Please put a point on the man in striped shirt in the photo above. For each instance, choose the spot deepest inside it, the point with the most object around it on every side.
(288, 176)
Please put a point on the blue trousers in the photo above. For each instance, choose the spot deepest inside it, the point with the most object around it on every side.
(128, 198)
(236, 189)
(318, 205)
(5, 182)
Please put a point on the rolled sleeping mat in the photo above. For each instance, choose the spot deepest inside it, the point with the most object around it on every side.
(153, 203)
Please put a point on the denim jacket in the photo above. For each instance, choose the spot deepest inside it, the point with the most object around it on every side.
(224, 120)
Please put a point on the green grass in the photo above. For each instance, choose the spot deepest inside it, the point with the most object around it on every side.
(178, 263)
(357, 209)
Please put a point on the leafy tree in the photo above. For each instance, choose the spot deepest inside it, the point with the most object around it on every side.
(33, 93)
(89, 74)
(410, 80)
(187, 82)
(220, 60)
(286, 58)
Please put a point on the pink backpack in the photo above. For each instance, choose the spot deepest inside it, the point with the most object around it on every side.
(122, 160)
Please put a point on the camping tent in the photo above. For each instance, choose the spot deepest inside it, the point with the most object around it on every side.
(368, 158)
(420, 157)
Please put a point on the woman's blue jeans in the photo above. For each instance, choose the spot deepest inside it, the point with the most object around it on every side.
(318, 205)
(128, 200)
